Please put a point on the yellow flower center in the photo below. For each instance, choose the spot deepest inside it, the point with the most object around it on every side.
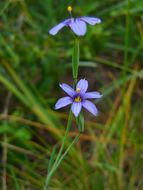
(77, 99)
(69, 8)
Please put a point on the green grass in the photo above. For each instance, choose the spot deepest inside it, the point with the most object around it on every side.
(109, 154)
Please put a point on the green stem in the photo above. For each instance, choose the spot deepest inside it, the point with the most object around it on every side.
(60, 160)
(75, 60)
(69, 147)
(65, 137)
(60, 151)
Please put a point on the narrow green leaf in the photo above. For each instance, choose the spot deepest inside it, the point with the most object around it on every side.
(75, 60)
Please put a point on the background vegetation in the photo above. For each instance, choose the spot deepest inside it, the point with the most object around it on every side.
(109, 154)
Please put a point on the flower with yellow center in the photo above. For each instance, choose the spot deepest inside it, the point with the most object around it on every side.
(78, 98)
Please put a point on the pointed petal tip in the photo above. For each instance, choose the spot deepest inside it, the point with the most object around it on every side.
(55, 108)
(61, 85)
(75, 114)
(51, 33)
(57, 28)
(98, 20)
(95, 114)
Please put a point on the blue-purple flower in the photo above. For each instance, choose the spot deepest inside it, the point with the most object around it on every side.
(78, 98)
(77, 25)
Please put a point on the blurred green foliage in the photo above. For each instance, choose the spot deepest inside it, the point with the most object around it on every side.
(110, 152)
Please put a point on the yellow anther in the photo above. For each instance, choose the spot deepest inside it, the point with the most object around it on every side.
(69, 8)
(78, 90)
(77, 99)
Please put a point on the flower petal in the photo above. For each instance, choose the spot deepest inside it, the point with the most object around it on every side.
(91, 95)
(90, 107)
(62, 102)
(69, 90)
(78, 27)
(91, 20)
(82, 85)
(76, 108)
(58, 27)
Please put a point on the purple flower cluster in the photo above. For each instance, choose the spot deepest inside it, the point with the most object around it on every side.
(78, 98)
